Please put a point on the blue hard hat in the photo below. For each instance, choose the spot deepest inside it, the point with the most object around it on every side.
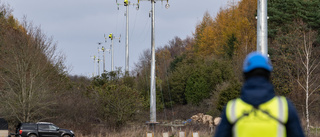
(256, 60)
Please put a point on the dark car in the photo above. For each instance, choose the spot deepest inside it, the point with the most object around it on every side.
(41, 129)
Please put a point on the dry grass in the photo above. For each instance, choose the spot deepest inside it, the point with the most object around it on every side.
(141, 131)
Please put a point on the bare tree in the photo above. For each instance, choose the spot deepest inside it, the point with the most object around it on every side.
(29, 67)
(307, 78)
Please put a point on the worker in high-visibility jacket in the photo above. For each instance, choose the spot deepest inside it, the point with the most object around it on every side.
(259, 112)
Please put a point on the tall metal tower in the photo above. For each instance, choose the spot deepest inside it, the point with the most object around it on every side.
(104, 56)
(98, 65)
(153, 60)
(152, 81)
(111, 36)
(126, 4)
(94, 65)
(262, 27)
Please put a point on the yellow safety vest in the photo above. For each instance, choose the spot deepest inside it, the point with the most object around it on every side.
(266, 120)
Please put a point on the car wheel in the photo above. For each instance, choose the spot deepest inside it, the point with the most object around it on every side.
(66, 136)
(32, 135)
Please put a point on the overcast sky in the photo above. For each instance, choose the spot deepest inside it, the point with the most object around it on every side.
(78, 25)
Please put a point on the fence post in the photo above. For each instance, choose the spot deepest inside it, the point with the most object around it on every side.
(150, 134)
(195, 134)
(181, 134)
(166, 134)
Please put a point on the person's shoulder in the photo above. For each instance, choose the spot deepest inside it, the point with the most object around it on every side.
(291, 107)
(232, 101)
(287, 100)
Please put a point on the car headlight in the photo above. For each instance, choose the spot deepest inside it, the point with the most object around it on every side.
(71, 131)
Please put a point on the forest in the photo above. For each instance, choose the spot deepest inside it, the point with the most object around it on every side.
(197, 74)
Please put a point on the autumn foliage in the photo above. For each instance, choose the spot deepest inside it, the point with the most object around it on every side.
(231, 32)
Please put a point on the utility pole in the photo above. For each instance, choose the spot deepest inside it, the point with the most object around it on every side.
(98, 65)
(94, 65)
(104, 57)
(153, 119)
(262, 27)
(111, 48)
(126, 4)
(153, 103)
